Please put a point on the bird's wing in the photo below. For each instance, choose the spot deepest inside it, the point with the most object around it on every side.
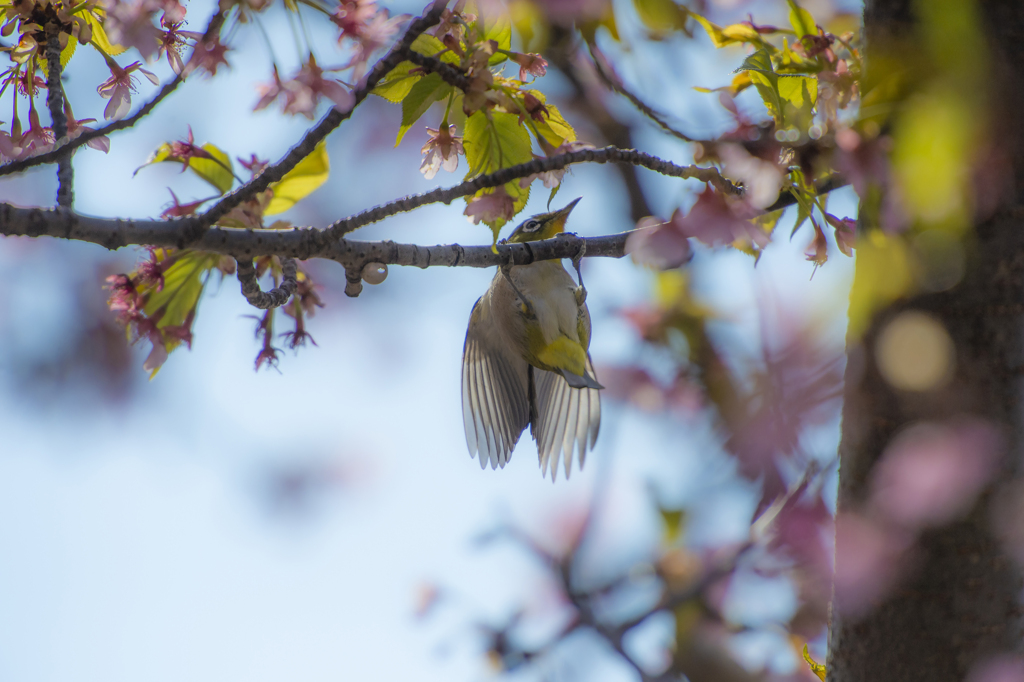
(495, 399)
(565, 419)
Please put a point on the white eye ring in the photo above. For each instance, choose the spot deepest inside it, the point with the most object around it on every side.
(531, 225)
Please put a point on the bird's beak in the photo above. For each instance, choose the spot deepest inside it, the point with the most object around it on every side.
(562, 215)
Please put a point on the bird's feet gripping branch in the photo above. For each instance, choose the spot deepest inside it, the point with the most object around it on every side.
(525, 361)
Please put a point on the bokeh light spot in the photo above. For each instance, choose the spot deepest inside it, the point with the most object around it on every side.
(915, 353)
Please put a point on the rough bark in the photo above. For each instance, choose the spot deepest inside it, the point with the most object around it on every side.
(960, 602)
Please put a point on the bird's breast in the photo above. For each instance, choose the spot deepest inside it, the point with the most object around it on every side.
(550, 290)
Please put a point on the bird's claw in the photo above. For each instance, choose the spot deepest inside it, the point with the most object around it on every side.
(527, 306)
(577, 260)
(581, 295)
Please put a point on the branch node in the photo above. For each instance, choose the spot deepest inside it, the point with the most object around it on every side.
(353, 281)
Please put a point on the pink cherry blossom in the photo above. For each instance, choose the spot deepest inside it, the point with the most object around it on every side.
(657, 244)
(131, 24)
(441, 151)
(302, 93)
(179, 209)
(719, 220)
(931, 473)
(172, 39)
(76, 128)
(119, 88)
(817, 249)
(846, 233)
(532, 64)
(553, 178)
(8, 150)
(999, 668)
(870, 558)
(36, 140)
(496, 205)
(208, 56)
(762, 179)
(352, 15)
(377, 33)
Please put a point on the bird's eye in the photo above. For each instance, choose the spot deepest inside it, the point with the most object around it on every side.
(531, 225)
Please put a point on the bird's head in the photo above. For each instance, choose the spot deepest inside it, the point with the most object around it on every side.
(542, 226)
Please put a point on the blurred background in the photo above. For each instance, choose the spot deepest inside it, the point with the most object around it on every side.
(323, 520)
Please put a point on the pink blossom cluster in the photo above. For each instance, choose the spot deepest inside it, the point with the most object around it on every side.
(129, 302)
(301, 94)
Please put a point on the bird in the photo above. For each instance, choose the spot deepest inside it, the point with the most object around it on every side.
(525, 361)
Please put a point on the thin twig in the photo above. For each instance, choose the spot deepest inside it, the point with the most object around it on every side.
(788, 198)
(589, 102)
(276, 297)
(498, 178)
(607, 75)
(328, 123)
(87, 136)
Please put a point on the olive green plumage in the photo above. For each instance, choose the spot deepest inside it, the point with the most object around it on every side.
(525, 361)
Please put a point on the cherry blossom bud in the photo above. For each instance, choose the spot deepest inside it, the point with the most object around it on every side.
(375, 273)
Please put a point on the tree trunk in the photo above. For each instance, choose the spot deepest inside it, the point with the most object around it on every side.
(958, 603)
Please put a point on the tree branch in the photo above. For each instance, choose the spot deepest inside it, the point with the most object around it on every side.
(449, 74)
(300, 243)
(328, 123)
(605, 155)
(212, 29)
(58, 119)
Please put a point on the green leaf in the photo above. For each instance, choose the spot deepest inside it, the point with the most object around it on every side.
(769, 94)
(216, 171)
(767, 222)
(588, 28)
(758, 61)
(301, 181)
(661, 16)
(804, 196)
(65, 54)
(801, 20)
(797, 95)
(763, 76)
(788, 61)
(818, 669)
(162, 153)
(555, 130)
(99, 36)
(497, 26)
(740, 82)
(397, 84)
(730, 35)
(674, 520)
(530, 23)
(554, 191)
(175, 303)
(496, 140)
(430, 46)
(425, 92)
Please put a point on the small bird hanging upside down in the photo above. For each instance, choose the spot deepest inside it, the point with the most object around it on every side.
(525, 361)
